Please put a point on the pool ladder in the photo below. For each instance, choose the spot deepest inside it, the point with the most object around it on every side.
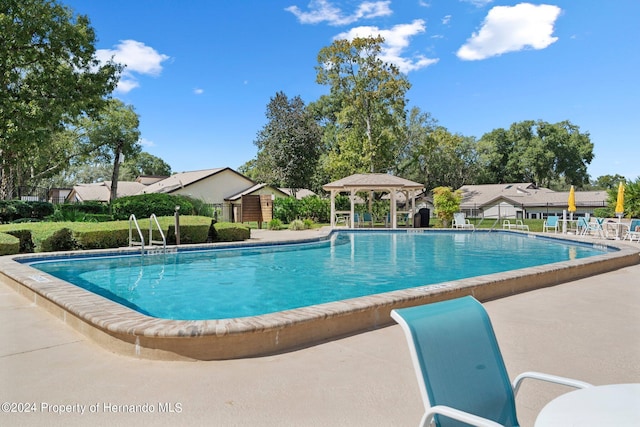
(152, 219)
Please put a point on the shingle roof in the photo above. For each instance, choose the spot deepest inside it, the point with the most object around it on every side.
(373, 181)
(179, 180)
(526, 194)
(101, 191)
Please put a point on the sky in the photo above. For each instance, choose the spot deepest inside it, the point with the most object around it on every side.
(200, 73)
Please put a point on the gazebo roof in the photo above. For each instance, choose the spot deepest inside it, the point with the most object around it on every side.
(373, 181)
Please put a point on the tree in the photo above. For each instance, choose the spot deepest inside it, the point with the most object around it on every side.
(446, 202)
(537, 152)
(607, 182)
(49, 77)
(631, 198)
(114, 133)
(144, 164)
(369, 99)
(289, 144)
(435, 156)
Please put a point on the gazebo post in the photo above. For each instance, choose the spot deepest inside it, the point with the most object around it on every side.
(333, 208)
(352, 198)
(393, 208)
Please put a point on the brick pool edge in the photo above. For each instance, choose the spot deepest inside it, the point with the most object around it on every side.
(124, 331)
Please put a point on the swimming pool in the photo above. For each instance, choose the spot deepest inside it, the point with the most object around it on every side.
(128, 332)
(243, 282)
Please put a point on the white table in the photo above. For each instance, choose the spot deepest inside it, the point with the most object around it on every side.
(608, 405)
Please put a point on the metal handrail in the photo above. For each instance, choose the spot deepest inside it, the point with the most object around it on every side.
(153, 218)
(132, 217)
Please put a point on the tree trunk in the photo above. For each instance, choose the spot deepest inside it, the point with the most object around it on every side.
(116, 171)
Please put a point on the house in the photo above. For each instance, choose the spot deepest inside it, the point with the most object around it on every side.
(524, 200)
(301, 193)
(221, 188)
(235, 201)
(101, 191)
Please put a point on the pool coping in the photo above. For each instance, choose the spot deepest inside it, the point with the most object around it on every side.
(125, 331)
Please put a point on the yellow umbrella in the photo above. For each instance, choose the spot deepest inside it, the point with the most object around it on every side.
(620, 202)
(572, 199)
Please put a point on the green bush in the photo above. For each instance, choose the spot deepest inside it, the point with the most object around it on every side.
(21, 211)
(116, 237)
(9, 245)
(60, 240)
(287, 209)
(296, 224)
(274, 224)
(308, 223)
(26, 241)
(231, 232)
(188, 234)
(41, 210)
(91, 211)
(142, 206)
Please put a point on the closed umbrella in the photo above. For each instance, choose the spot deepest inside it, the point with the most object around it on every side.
(620, 201)
(572, 201)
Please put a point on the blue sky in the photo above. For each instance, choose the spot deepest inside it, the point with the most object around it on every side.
(200, 73)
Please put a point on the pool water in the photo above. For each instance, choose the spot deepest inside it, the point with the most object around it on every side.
(230, 283)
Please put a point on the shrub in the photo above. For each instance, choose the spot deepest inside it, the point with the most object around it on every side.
(41, 210)
(26, 241)
(308, 223)
(274, 224)
(231, 232)
(12, 210)
(286, 209)
(91, 211)
(9, 245)
(116, 237)
(60, 240)
(296, 224)
(188, 234)
(142, 206)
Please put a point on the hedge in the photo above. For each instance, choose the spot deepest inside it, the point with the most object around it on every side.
(81, 235)
(9, 245)
(26, 241)
(231, 232)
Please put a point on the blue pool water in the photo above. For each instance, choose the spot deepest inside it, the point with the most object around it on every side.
(229, 283)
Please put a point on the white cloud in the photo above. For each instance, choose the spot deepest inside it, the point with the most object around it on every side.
(138, 59)
(324, 11)
(446, 20)
(396, 40)
(478, 3)
(146, 143)
(198, 91)
(510, 29)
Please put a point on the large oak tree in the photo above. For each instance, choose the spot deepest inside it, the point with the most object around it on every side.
(49, 77)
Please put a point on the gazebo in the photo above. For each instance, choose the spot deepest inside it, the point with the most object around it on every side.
(380, 182)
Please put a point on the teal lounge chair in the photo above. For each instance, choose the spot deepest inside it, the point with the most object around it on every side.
(368, 218)
(461, 374)
(634, 230)
(551, 223)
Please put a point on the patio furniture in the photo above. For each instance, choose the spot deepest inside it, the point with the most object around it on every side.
(356, 219)
(594, 227)
(367, 217)
(519, 225)
(607, 405)
(459, 221)
(551, 223)
(633, 231)
(582, 224)
(459, 367)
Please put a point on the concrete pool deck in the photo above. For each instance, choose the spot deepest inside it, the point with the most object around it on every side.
(587, 329)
